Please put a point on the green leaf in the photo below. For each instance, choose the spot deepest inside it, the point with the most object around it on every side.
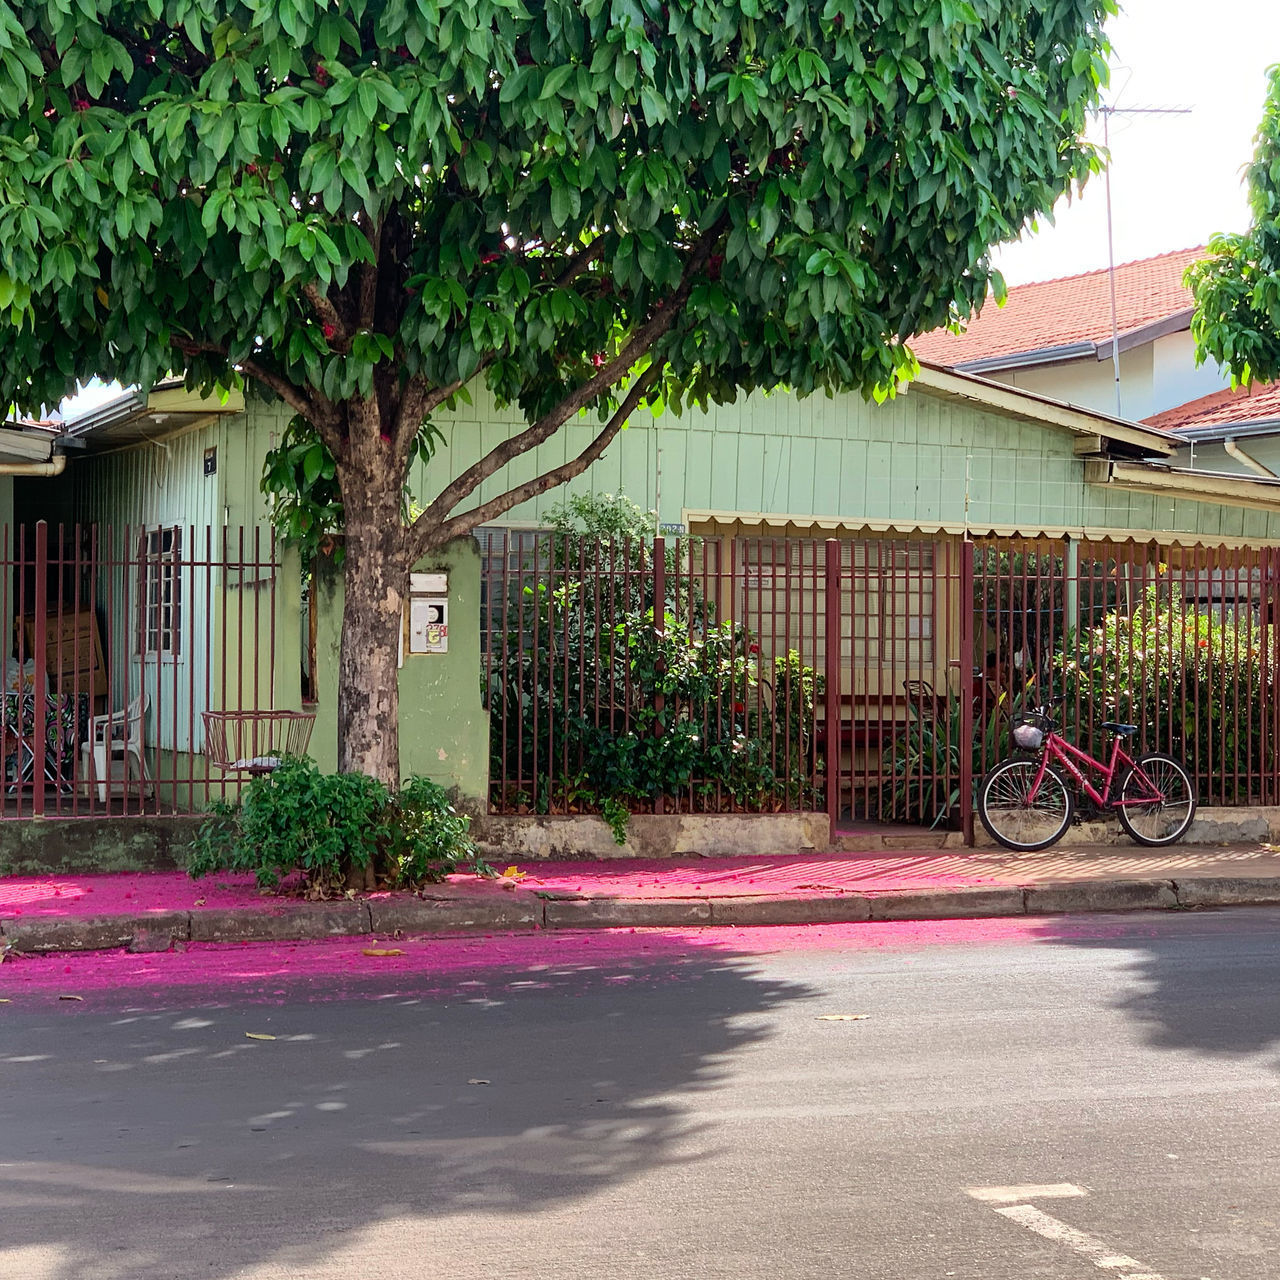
(313, 463)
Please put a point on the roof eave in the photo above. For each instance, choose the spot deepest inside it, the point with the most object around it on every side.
(1227, 430)
(1256, 492)
(1027, 359)
(1014, 402)
(1084, 350)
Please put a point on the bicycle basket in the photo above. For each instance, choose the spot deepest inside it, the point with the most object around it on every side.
(1029, 731)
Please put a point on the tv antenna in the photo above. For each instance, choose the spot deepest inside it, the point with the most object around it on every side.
(1107, 113)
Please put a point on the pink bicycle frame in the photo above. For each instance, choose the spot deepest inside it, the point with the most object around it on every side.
(1071, 758)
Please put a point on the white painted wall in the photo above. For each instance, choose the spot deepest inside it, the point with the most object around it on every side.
(1213, 457)
(1176, 377)
(1156, 376)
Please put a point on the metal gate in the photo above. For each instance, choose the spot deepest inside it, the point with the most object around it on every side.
(933, 646)
(898, 649)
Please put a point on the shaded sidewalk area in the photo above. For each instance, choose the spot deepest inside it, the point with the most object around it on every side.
(158, 911)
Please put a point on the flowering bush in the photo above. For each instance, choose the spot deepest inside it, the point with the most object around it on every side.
(680, 713)
(1191, 679)
(593, 707)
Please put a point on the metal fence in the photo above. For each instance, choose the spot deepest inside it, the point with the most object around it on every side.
(652, 676)
(876, 678)
(1178, 641)
(119, 639)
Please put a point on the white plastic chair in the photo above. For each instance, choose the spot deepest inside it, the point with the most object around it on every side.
(115, 746)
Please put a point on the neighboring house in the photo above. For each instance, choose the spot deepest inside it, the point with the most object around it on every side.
(158, 489)
(1232, 431)
(1054, 337)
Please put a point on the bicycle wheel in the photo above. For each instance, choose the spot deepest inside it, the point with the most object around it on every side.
(1172, 800)
(1016, 819)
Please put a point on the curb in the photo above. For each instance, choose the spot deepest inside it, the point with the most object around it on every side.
(529, 911)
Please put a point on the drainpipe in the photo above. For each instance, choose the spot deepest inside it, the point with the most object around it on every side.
(54, 467)
(1235, 451)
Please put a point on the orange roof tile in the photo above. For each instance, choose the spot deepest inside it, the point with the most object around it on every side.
(1056, 313)
(1244, 404)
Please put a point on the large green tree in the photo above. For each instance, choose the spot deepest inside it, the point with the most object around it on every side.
(1237, 286)
(363, 206)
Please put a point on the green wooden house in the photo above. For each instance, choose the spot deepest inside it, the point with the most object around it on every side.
(165, 538)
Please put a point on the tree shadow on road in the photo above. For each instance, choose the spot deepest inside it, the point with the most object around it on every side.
(162, 1141)
(1221, 1000)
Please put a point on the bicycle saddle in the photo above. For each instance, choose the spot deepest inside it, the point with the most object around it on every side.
(1124, 730)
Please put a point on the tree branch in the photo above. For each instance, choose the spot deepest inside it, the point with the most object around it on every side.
(640, 342)
(321, 416)
(432, 539)
(340, 338)
(416, 406)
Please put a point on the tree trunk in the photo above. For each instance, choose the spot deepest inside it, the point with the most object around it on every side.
(376, 578)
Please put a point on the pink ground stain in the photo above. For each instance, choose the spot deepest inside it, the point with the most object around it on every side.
(339, 969)
(741, 877)
(109, 895)
(127, 894)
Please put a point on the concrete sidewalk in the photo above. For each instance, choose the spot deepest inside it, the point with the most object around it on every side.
(154, 912)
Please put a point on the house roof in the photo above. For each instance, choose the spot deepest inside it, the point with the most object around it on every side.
(134, 418)
(1095, 432)
(1239, 407)
(22, 442)
(1070, 318)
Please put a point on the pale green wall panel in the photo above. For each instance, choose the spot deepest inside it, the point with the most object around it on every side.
(801, 472)
(698, 472)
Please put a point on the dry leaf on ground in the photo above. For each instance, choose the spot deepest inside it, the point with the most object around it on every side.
(382, 951)
(71, 998)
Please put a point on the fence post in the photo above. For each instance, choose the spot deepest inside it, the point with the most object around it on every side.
(831, 662)
(40, 723)
(659, 631)
(967, 743)
(1270, 658)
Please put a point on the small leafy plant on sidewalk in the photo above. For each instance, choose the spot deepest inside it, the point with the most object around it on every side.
(339, 831)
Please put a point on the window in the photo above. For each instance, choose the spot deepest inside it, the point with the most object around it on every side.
(159, 621)
(888, 605)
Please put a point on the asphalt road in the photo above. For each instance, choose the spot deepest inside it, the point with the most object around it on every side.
(657, 1107)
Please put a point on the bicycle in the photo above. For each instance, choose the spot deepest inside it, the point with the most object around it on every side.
(1026, 803)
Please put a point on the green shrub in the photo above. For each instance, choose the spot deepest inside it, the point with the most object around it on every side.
(1191, 679)
(337, 831)
(577, 677)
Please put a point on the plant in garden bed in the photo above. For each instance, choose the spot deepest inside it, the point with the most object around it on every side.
(337, 831)
(643, 713)
(594, 706)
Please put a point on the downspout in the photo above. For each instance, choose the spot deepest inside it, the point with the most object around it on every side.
(1235, 451)
(54, 467)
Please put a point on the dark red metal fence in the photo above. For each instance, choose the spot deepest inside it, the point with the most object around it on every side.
(653, 676)
(118, 638)
(1178, 641)
(874, 678)
(897, 664)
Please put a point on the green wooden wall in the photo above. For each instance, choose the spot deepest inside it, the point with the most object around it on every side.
(918, 460)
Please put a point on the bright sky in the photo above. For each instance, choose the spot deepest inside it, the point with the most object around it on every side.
(1175, 180)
